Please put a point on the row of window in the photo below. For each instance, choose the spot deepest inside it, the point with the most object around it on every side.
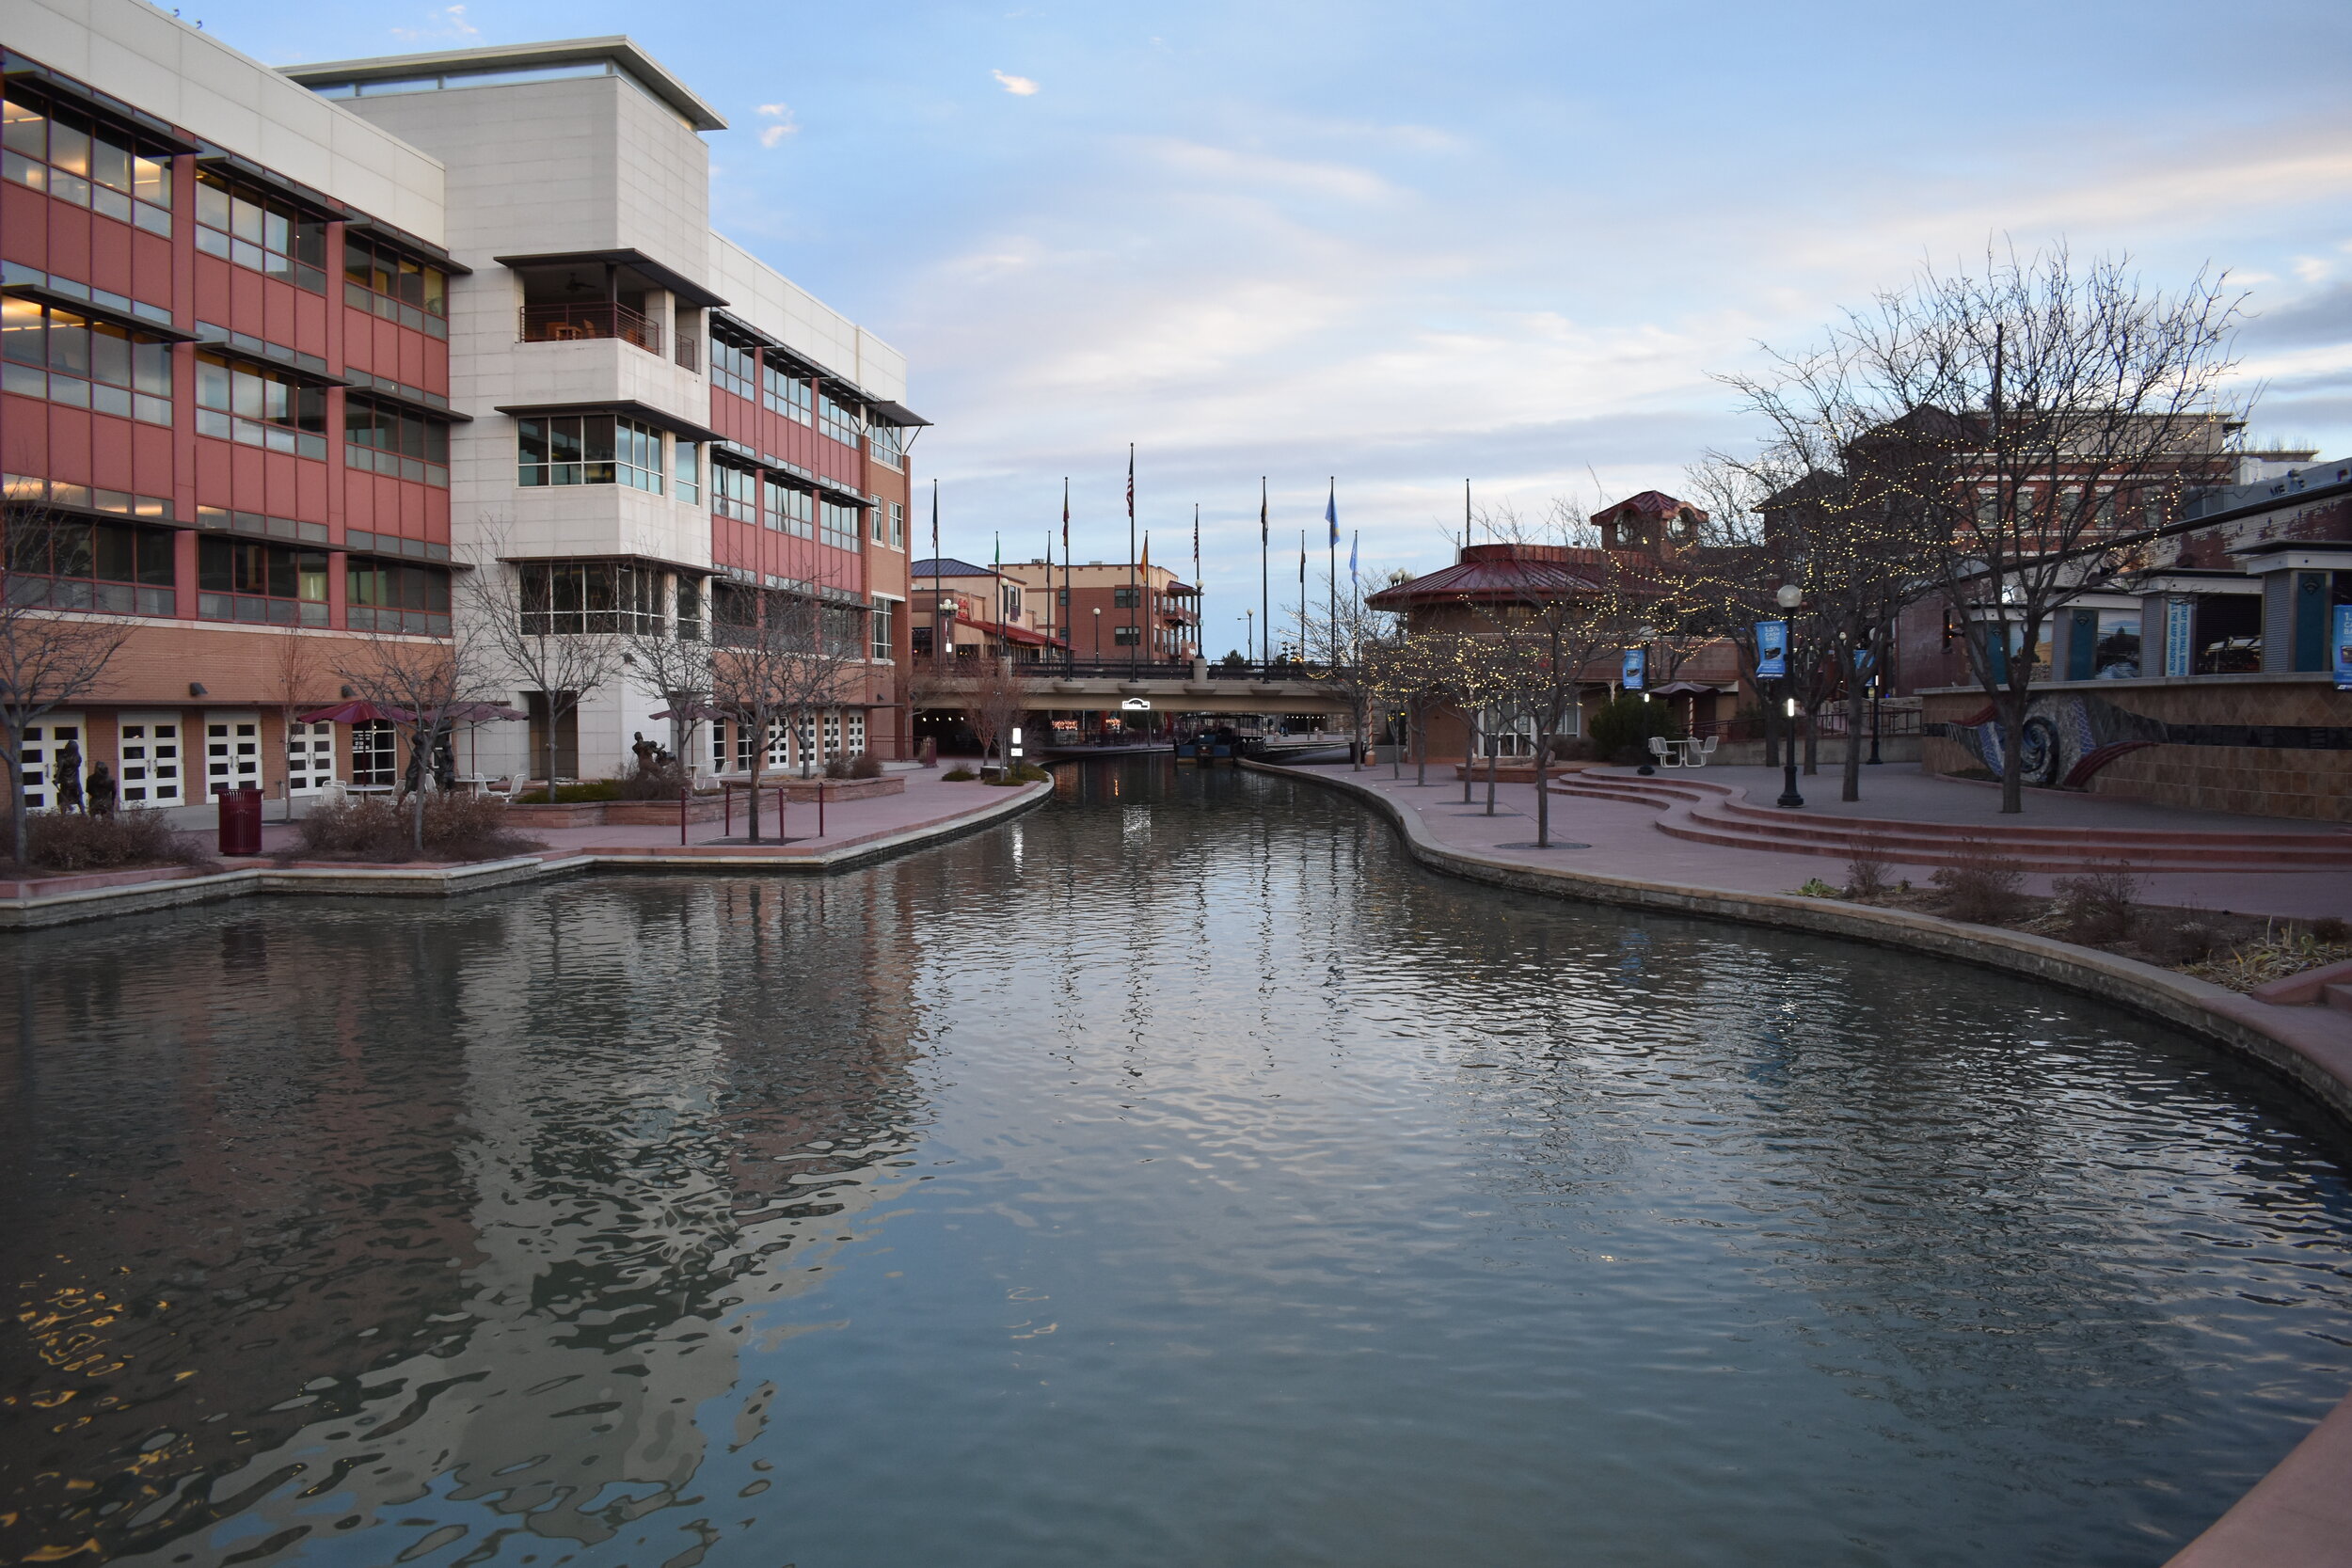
(742, 371)
(395, 288)
(71, 564)
(60, 150)
(263, 231)
(260, 408)
(48, 352)
(394, 441)
(589, 449)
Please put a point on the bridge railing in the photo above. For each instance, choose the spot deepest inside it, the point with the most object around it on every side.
(1048, 670)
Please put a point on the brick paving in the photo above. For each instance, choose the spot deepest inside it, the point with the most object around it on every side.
(1622, 839)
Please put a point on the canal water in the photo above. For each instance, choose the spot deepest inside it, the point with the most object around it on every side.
(1176, 1175)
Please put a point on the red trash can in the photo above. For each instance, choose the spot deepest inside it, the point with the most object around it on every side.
(241, 821)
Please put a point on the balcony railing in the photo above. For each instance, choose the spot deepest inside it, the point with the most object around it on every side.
(599, 318)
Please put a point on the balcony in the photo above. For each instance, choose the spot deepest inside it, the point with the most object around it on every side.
(601, 318)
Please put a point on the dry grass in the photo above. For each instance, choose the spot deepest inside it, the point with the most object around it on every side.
(1983, 889)
(73, 841)
(2276, 954)
(456, 828)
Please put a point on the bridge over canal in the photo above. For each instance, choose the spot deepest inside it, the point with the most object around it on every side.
(1112, 686)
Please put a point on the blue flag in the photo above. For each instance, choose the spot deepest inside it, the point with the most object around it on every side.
(1353, 541)
(1332, 512)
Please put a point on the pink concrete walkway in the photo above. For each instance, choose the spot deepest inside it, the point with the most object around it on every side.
(927, 802)
(1622, 839)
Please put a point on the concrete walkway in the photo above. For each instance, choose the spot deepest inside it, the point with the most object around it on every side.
(928, 801)
(1622, 839)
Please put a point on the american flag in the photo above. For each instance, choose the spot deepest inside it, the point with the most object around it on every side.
(1131, 481)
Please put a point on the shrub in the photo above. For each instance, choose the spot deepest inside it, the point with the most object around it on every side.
(1020, 772)
(661, 782)
(2181, 941)
(959, 774)
(2331, 930)
(865, 765)
(1983, 889)
(2096, 907)
(1621, 729)
(61, 841)
(836, 767)
(578, 794)
(374, 827)
(1866, 871)
(1816, 888)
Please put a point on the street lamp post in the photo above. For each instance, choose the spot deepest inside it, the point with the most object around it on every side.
(1790, 597)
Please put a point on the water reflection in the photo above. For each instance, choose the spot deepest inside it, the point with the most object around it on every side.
(1175, 1176)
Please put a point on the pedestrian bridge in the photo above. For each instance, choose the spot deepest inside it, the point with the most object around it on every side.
(1200, 687)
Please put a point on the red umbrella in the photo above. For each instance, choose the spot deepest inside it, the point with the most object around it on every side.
(353, 713)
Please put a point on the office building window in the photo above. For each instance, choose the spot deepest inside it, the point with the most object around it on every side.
(787, 510)
(837, 421)
(784, 393)
(1127, 637)
(734, 493)
(72, 565)
(690, 609)
(237, 401)
(886, 443)
(391, 596)
(733, 367)
(836, 525)
(49, 353)
(240, 580)
(393, 441)
(574, 598)
(1126, 598)
(76, 159)
(264, 232)
(686, 473)
(883, 626)
(1011, 604)
(588, 448)
(395, 288)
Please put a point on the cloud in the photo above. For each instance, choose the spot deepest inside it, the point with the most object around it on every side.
(785, 125)
(1231, 168)
(448, 23)
(1020, 87)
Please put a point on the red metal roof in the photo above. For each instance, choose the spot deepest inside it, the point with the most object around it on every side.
(1496, 572)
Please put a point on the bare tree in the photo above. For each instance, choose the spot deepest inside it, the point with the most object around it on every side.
(423, 686)
(2022, 411)
(546, 629)
(1346, 641)
(782, 658)
(995, 700)
(1568, 609)
(55, 642)
(296, 672)
(674, 661)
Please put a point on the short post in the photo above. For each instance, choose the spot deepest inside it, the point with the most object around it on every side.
(726, 809)
(821, 811)
(681, 817)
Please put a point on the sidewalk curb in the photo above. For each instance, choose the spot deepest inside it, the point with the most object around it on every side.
(452, 881)
(2299, 1515)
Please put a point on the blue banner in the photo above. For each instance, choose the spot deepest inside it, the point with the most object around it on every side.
(2344, 648)
(1636, 667)
(1771, 649)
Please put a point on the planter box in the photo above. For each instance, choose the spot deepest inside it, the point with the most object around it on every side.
(580, 813)
(839, 789)
(85, 881)
(657, 814)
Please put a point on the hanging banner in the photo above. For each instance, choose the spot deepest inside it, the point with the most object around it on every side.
(1636, 667)
(1772, 650)
(2344, 648)
(2179, 617)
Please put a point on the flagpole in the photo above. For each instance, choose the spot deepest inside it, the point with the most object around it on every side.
(1135, 577)
(1302, 596)
(1265, 584)
(1070, 600)
(935, 625)
(1200, 594)
(1331, 514)
(1465, 514)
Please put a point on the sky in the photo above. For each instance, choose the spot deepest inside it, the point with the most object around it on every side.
(1401, 246)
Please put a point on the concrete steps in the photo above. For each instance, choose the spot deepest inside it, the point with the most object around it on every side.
(1706, 813)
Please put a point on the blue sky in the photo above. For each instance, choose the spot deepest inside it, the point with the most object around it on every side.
(1410, 244)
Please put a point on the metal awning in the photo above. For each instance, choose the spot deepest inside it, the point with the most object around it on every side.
(64, 301)
(677, 424)
(637, 260)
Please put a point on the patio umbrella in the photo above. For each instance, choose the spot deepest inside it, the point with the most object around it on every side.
(353, 713)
